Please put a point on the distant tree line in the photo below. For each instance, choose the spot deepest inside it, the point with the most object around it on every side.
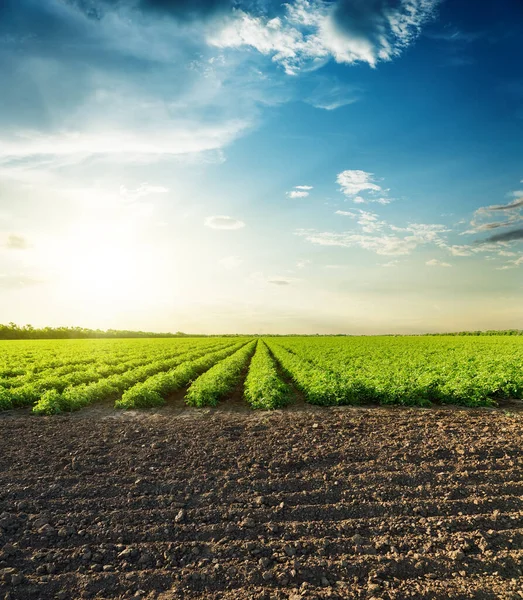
(28, 332)
(487, 332)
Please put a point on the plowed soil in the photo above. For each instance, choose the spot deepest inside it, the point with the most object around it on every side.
(319, 503)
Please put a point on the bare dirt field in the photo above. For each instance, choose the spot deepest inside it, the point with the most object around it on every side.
(316, 503)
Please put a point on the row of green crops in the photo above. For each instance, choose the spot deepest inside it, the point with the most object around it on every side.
(153, 391)
(317, 385)
(24, 358)
(76, 397)
(407, 370)
(95, 377)
(221, 379)
(263, 386)
(76, 373)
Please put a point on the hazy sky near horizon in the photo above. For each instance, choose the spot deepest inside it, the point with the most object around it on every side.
(214, 166)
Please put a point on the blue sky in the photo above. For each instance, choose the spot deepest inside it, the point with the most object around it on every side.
(253, 166)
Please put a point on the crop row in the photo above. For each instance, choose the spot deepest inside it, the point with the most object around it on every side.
(31, 357)
(71, 371)
(409, 371)
(76, 397)
(32, 392)
(263, 386)
(153, 391)
(219, 380)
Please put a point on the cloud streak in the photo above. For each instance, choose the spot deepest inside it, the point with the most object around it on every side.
(17, 242)
(507, 236)
(511, 212)
(434, 262)
(223, 222)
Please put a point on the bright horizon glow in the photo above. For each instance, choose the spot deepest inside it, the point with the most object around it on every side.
(285, 167)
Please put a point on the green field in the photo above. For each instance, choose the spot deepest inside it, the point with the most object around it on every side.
(54, 376)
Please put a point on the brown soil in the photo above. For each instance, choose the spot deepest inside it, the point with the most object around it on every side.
(319, 503)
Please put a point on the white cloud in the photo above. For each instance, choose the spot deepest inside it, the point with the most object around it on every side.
(223, 222)
(297, 194)
(402, 242)
(303, 187)
(17, 242)
(352, 182)
(310, 32)
(331, 93)
(390, 264)
(434, 262)
(163, 138)
(459, 250)
(18, 281)
(511, 214)
(230, 262)
(301, 264)
(367, 220)
(512, 264)
(387, 245)
(347, 213)
(144, 189)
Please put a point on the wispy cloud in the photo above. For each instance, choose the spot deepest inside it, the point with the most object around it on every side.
(299, 191)
(354, 183)
(331, 94)
(507, 236)
(387, 245)
(301, 264)
(512, 264)
(434, 262)
(17, 242)
(163, 138)
(223, 222)
(390, 264)
(17, 281)
(376, 235)
(144, 189)
(511, 214)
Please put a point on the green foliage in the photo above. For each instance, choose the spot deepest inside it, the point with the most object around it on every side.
(75, 397)
(51, 403)
(153, 391)
(63, 375)
(28, 332)
(5, 400)
(411, 371)
(263, 386)
(220, 379)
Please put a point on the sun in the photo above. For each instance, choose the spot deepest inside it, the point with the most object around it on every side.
(100, 268)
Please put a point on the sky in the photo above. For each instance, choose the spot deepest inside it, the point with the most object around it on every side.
(255, 166)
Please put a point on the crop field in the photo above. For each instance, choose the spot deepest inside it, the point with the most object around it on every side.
(333, 495)
(64, 375)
